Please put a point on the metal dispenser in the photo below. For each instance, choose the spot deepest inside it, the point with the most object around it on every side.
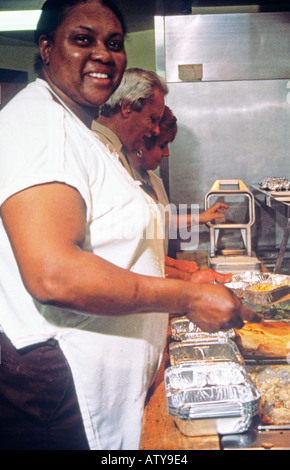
(236, 195)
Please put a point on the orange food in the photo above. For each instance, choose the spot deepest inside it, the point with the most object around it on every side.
(264, 339)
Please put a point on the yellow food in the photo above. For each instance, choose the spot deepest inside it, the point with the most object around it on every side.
(268, 287)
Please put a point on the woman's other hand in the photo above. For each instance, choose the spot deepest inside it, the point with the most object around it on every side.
(209, 276)
(181, 265)
(213, 213)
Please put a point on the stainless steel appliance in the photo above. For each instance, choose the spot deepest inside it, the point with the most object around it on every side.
(229, 86)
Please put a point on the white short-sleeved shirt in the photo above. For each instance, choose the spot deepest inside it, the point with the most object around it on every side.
(113, 359)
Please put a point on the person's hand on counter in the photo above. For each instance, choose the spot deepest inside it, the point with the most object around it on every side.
(172, 265)
(190, 271)
(209, 276)
(219, 309)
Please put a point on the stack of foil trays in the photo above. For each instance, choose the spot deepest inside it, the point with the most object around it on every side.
(182, 329)
(208, 390)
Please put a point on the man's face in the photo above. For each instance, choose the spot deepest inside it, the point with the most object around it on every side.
(145, 123)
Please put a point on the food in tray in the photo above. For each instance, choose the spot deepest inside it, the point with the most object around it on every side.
(260, 288)
(273, 383)
(266, 286)
(264, 339)
(275, 289)
(276, 312)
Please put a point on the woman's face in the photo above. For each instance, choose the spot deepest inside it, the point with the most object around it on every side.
(152, 158)
(85, 60)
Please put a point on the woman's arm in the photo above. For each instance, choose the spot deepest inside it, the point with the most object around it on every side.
(215, 212)
(46, 228)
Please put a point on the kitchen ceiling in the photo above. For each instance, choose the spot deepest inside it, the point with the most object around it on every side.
(137, 18)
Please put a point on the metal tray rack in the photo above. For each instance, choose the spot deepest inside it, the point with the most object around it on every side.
(232, 260)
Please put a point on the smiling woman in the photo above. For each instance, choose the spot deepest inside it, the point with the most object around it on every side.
(82, 61)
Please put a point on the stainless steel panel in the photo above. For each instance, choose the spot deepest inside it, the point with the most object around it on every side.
(227, 130)
(230, 47)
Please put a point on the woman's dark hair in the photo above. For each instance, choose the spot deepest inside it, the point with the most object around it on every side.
(54, 12)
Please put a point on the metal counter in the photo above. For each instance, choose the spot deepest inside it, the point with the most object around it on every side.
(257, 440)
(279, 201)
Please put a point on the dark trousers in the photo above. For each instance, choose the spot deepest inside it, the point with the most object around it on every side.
(38, 404)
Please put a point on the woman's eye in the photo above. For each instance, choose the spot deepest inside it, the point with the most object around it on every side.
(83, 40)
(115, 45)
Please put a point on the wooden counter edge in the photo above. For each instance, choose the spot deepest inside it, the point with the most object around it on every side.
(159, 431)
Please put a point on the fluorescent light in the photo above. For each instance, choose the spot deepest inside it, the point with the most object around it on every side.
(21, 20)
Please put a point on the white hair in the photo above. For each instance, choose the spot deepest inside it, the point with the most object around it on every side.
(137, 87)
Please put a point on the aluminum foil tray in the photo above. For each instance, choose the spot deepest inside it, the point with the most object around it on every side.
(268, 291)
(189, 351)
(207, 398)
(260, 288)
(240, 282)
(275, 184)
(182, 329)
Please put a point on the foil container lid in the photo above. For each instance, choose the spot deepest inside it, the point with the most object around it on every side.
(199, 391)
(182, 329)
(275, 184)
(189, 351)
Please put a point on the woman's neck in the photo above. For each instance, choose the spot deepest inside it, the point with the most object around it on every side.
(85, 114)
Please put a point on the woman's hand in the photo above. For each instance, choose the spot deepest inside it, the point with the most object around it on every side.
(209, 276)
(217, 308)
(213, 213)
(181, 265)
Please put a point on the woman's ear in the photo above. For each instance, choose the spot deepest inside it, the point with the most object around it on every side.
(44, 45)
